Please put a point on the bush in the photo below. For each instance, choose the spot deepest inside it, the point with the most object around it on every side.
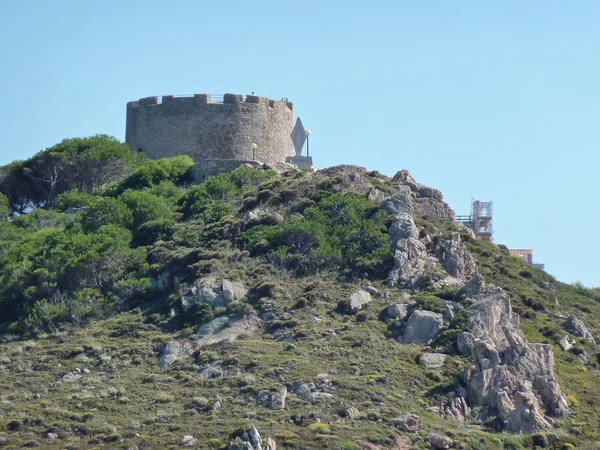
(428, 302)
(341, 230)
(319, 428)
(44, 277)
(4, 207)
(571, 400)
(155, 230)
(198, 314)
(106, 211)
(73, 199)
(144, 206)
(155, 172)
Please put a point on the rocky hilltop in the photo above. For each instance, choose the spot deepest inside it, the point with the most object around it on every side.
(275, 308)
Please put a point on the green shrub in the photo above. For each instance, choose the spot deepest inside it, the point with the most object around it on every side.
(4, 207)
(106, 211)
(320, 428)
(155, 172)
(198, 314)
(73, 199)
(144, 206)
(428, 302)
(155, 230)
(341, 230)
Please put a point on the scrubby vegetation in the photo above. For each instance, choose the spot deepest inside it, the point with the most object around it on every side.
(93, 270)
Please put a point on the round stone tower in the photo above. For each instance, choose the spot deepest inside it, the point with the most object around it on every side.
(211, 129)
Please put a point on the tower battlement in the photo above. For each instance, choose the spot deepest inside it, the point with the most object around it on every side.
(208, 127)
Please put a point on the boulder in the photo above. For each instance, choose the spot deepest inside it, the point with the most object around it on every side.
(303, 390)
(250, 439)
(432, 360)
(375, 195)
(189, 441)
(274, 400)
(454, 257)
(577, 328)
(465, 342)
(434, 209)
(403, 176)
(399, 203)
(439, 441)
(397, 311)
(71, 377)
(372, 290)
(566, 343)
(352, 413)
(172, 351)
(227, 328)
(422, 327)
(358, 301)
(233, 291)
(408, 422)
(216, 293)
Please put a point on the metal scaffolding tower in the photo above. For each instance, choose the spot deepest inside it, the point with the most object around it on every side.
(480, 220)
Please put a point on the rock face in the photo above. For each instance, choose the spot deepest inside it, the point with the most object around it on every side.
(358, 301)
(251, 440)
(227, 328)
(173, 351)
(397, 311)
(272, 399)
(566, 343)
(511, 379)
(432, 360)
(454, 258)
(410, 254)
(216, 293)
(465, 342)
(408, 422)
(422, 327)
(438, 441)
(577, 328)
(426, 201)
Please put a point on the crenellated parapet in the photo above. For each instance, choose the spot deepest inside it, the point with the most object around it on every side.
(211, 127)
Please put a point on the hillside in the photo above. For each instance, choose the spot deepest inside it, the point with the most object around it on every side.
(338, 309)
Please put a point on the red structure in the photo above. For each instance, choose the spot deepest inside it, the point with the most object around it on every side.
(525, 254)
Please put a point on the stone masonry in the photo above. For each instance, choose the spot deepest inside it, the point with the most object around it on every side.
(207, 130)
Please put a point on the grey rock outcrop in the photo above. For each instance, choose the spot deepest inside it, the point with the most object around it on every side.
(454, 258)
(411, 259)
(432, 360)
(250, 439)
(71, 377)
(511, 379)
(426, 201)
(272, 399)
(227, 328)
(439, 441)
(566, 343)
(408, 422)
(397, 311)
(174, 350)
(189, 441)
(216, 293)
(465, 342)
(422, 327)
(375, 195)
(577, 328)
(358, 301)
(457, 408)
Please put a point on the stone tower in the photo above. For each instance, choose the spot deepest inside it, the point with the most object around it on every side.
(214, 132)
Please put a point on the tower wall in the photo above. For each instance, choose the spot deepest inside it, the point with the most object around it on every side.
(207, 130)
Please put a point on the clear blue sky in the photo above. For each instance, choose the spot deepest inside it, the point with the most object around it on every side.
(493, 100)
